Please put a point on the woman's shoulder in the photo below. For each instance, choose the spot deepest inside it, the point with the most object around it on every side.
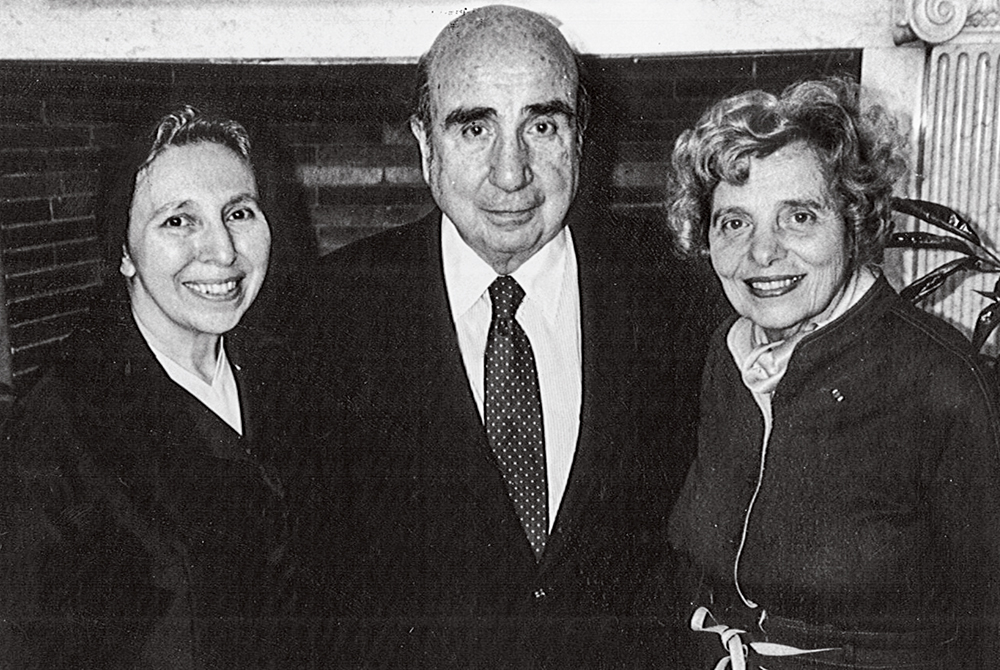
(919, 325)
(717, 346)
(887, 326)
(928, 349)
(89, 374)
(921, 337)
(91, 357)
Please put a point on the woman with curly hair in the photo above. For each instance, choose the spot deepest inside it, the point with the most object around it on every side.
(844, 506)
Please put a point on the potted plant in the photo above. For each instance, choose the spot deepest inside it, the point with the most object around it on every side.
(960, 237)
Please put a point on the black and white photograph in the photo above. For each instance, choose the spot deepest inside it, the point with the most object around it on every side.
(541, 335)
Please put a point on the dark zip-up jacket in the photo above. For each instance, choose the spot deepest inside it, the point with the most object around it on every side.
(879, 504)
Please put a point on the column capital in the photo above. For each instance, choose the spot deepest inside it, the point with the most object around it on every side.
(937, 21)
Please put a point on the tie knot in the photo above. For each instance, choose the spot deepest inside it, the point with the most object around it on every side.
(506, 295)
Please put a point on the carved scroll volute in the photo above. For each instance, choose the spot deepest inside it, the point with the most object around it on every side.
(935, 21)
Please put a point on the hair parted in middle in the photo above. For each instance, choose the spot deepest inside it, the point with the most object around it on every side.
(187, 125)
(860, 152)
(180, 126)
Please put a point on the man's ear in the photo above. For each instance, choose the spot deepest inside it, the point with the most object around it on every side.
(424, 140)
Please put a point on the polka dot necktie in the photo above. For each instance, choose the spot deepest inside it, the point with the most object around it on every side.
(513, 409)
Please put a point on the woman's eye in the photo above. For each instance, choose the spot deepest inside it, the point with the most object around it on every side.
(545, 128)
(175, 222)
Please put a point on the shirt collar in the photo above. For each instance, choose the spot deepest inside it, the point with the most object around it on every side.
(468, 277)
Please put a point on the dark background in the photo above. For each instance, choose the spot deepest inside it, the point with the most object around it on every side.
(334, 155)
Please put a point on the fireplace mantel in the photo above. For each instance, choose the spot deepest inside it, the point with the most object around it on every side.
(390, 30)
(932, 62)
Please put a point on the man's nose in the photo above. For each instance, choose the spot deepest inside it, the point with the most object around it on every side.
(510, 163)
(215, 244)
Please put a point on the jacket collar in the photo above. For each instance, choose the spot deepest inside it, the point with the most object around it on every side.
(838, 336)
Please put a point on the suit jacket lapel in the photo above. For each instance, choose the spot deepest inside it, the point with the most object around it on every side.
(259, 360)
(440, 372)
(174, 410)
(443, 370)
(606, 341)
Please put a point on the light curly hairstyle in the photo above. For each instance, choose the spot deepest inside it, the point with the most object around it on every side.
(861, 155)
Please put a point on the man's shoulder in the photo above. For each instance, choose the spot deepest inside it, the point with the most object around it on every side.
(384, 250)
(637, 263)
(374, 276)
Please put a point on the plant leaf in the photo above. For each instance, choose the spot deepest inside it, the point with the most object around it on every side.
(931, 281)
(921, 240)
(943, 217)
(987, 322)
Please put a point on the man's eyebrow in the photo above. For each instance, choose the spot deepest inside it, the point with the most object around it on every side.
(551, 108)
(463, 115)
(242, 198)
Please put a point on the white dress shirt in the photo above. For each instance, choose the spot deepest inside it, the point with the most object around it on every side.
(221, 396)
(549, 315)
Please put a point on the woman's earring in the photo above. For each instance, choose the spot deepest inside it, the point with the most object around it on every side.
(127, 267)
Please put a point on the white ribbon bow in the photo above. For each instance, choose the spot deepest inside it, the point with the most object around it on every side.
(733, 644)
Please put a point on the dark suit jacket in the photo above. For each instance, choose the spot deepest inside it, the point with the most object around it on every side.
(421, 559)
(142, 531)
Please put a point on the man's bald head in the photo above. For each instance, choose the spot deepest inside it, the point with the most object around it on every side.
(483, 36)
(500, 131)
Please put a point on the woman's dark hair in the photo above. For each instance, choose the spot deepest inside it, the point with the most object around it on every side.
(860, 153)
(182, 126)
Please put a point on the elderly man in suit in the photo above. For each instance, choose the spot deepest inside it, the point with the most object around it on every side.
(518, 388)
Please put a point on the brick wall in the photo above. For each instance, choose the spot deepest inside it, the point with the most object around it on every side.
(335, 155)
(56, 124)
